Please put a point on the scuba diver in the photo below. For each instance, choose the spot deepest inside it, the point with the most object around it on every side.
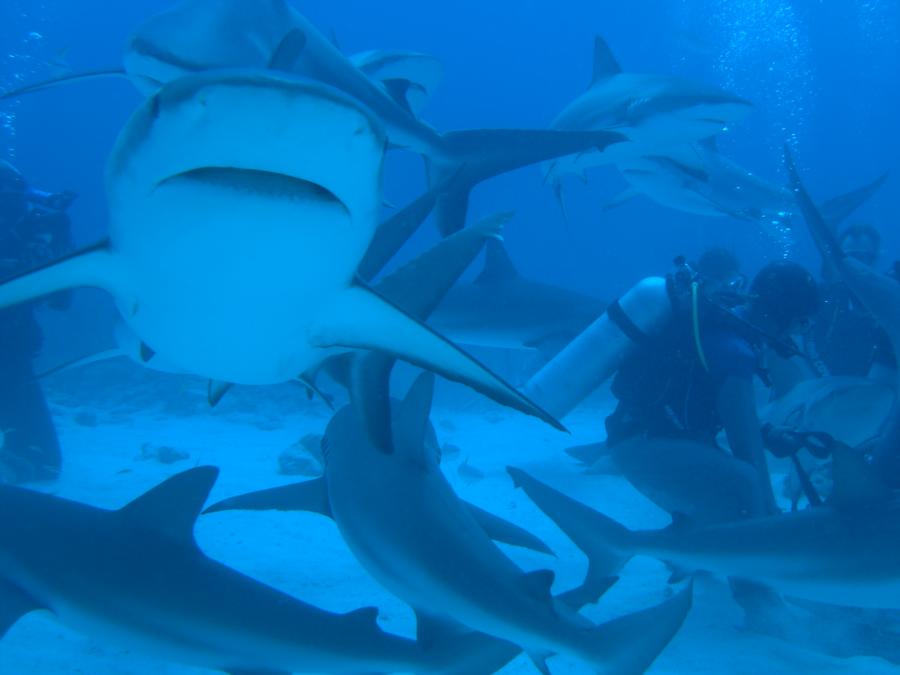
(34, 229)
(684, 351)
(845, 339)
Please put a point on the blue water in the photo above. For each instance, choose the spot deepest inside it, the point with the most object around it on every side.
(823, 75)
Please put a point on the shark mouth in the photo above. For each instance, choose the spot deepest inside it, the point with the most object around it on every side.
(257, 183)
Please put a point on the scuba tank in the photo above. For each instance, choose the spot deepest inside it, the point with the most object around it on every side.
(596, 353)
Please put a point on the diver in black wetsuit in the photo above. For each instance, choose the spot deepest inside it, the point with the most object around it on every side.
(695, 377)
(34, 229)
(846, 339)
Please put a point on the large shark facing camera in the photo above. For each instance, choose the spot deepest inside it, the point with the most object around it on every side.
(241, 203)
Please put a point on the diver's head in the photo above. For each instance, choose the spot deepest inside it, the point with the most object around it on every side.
(720, 271)
(784, 298)
(13, 202)
(862, 242)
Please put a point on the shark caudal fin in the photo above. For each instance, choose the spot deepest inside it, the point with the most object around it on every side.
(91, 266)
(631, 643)
(606, 543)
(484, 153)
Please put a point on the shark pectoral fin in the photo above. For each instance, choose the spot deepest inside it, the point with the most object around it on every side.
(91, 266)
(604, 541)
(413, 417)
(632, 642)
(310, 495)
(14, 604)
(65, 79)
(215, 390)
(285, 55)
(83, 361)
(506, 532)
(360, 319)
(172, 507)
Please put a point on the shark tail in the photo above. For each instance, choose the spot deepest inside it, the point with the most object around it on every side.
(479, 154)
(631, 643)
(362, 319)
(607, 544)
(91, 266)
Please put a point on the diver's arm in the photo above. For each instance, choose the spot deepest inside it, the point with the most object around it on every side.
(736, 405)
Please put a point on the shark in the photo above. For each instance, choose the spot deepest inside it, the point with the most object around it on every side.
(502, 308)
(235, 259)
(135, 576)
(844, 552)
(697, 178)
(200, 35)
(405, 524)
(650, 110)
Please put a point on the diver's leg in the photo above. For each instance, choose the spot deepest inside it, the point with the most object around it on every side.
(30, 449)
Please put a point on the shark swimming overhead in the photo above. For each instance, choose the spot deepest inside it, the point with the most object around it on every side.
(235, 258)
(697, 178)
(197, 35)
(650, 110)
(136, 577)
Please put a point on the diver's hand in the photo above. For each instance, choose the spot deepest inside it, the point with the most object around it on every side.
(781, 441)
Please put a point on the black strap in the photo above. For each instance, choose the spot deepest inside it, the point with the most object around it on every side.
(618, 316)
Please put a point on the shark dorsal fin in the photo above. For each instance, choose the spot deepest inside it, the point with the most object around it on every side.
(605, 64)
(285, 55)
(498, 267)
(412, 422)
(172, 507)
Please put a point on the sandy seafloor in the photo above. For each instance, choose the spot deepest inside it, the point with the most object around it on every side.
(106, 412)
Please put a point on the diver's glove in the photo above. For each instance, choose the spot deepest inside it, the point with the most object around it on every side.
(786, 441)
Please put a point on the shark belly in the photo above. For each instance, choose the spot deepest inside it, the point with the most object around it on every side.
(240, 283)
